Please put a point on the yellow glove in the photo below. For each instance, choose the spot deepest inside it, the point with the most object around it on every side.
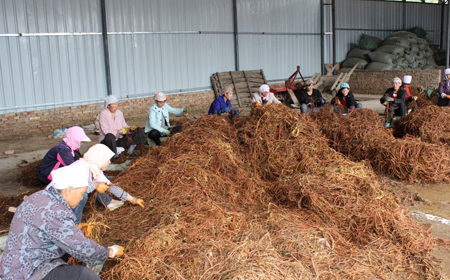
(133, 128)
(101, 187)
(123, 131)
(117, 251)
(415, 97)
(137, 201)
(86, 228)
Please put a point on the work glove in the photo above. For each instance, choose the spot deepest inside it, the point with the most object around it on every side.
(117, 251)
(166, 132)
(137, 201)
(86, 228)
(101, 187)
(124, 131)
(256, 104)
(237, 112)
(133, 128)
(414, 97)
(225, 110)
(388, 99)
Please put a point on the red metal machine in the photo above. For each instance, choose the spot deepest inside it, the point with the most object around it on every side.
(289, 86)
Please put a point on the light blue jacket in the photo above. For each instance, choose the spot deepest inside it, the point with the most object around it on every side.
(154, 119)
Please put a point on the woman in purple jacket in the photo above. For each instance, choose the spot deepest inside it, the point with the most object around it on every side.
(444, 90)
(63, 154)
(43, 232)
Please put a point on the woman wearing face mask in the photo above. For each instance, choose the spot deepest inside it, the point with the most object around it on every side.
(394, 100)
(95, 161)
(114, 129)
(345, 100)
(264, 96)
(444, 90)
(63, 154)
(158, 123)
(43, 232)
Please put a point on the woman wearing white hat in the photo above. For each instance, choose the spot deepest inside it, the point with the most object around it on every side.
(264, 96)
(114, 129)
(394, 99)
(43, 232)
(409, 98)
(158, 121)
(444, 89)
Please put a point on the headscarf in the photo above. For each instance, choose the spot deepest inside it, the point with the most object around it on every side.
(74, 136)
(96, 157)
(160, 96)
(396, 80)
(70, 176)
(108, 100)
(446, 72)
(225, 90)
(262, 89)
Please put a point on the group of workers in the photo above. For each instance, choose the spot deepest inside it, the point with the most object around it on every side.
(46, 227)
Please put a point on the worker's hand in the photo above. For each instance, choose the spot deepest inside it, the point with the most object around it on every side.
(133, 128)
(414, 97)
(137, 201)
(166, 132)
(101, 187)
(115, 251)
(86, 228)
(124, 131)
(256, 104)
(388, 99)
(237, 112)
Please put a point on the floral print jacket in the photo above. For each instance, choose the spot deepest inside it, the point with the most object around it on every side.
(43, 229)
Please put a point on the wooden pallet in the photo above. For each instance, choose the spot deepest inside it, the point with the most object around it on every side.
(244, 83)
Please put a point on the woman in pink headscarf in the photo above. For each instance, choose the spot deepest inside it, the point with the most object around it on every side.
(264, 96)
(63, 154)
(444, 90)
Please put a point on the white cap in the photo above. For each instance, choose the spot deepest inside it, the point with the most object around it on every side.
(396, 80)
(407, 79)
(160, 96)
(447, 71)
(109, 100)
(75, 176)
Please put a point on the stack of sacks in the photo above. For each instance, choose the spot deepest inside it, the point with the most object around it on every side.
(401, 50)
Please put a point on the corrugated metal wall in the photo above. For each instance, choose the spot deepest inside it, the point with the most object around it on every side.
(279, 35)
(176, 45)
(381, 18)
(168, 45)
(51, 53)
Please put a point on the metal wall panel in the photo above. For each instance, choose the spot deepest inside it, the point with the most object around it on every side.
(51, 54)
(168, 45)
(276, 36)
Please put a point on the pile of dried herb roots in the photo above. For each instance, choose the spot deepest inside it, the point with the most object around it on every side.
(266, 197)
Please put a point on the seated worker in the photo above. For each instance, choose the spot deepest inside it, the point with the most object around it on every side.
(345, 100)
(158, 123)
(63, 154)
(43, 233)
(444, 90)
(406, 82)
(222, 104)
(310, 98)
(264, 96)
(114, 131)
(94, 162)
(394, 100)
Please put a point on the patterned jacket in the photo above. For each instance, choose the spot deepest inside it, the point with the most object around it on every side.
(43, 229)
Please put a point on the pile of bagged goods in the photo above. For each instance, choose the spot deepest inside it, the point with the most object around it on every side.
(402, 50)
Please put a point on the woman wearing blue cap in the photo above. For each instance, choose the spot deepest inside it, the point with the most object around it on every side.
(345, 100)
